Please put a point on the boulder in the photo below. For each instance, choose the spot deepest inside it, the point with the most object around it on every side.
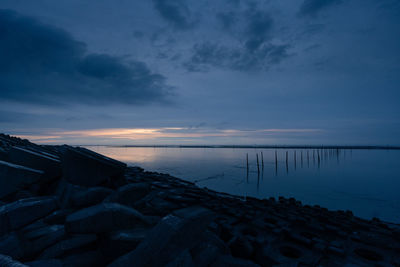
(241, 247)
(169, 238)
(87, 168)
(208, 250)
(3, 154)
(182, 260)
(58, 216)
(90, 197)
(129, 194)
(226, 260)
(90, 258)
(119, 243)
(105, 217)
(40, 239)
(45, 263)
(15, 177)
(6, 261)
(66, 191)
(65, 246)
(35, 160)
(11, 245)
(22, 212)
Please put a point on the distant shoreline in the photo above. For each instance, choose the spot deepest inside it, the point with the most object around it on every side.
(263, 146)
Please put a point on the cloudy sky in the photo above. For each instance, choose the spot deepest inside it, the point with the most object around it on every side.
(201, 71)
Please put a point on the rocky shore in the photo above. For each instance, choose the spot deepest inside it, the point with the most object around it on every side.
(69, 206)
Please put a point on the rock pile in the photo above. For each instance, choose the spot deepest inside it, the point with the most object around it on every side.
(68, 206)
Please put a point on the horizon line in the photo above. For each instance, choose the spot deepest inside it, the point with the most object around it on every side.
(383, 147)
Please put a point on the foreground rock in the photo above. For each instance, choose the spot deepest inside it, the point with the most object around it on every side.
(6, 261)
(16, 177)
(104, 217)
(49, 164)
(84, 167)
(20, 213)
(172, 235)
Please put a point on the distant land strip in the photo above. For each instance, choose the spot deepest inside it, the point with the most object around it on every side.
(369, 147)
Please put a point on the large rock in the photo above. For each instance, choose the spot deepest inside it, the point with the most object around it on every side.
(121, 242)
(22, 212)
(130, 193)
(90, 258)
(3, 154)
(65, 246)
(6, 261)
(90, 197)
(168, 239)
(208, 250)
(15, 177)
(12, 245)
(84, 167)
(40, 239)
(58, 216)
(35, 160)
(66, 191)
(45, 263)
(105, 217)
(226, 260)
(182, 260)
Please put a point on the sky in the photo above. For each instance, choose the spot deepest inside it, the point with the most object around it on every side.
(194, 72)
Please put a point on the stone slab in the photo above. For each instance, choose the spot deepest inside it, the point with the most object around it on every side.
(14, 177)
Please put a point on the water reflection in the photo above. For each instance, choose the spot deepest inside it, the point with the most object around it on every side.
(364, 181)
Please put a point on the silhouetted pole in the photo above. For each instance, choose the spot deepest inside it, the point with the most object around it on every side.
(337, 155)
(258, 165)
(313, 157)
(308, 159)
(287, 164)
(319, 160)
(247, 166)
(295, 160)
(247, 161)
(276, 163)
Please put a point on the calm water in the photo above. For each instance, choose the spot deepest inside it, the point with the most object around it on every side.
(364, 181)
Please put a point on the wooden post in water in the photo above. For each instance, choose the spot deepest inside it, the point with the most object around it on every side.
(308, 159)
(319, 160)
(321, 154)
(247, 167)
(276, 163)
(295, 160)
(313, 157)
(287, 164)
(247, 162)
(258, 165)
(337, 155)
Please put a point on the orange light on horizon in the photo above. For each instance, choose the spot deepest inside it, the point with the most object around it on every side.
(143, 134)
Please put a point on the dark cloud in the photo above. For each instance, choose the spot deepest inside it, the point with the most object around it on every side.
(251, 49)
(43, 63)
(240, 59)
(258, 29)
(12, 117)
(175, 12)
(313, 7)
(227, 19)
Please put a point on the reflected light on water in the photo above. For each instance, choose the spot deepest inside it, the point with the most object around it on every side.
(364, 181)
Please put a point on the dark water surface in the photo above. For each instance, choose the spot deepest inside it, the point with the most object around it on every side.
(366, 182)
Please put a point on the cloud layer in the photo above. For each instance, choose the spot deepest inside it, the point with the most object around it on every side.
(42, 63)
(313, 7)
